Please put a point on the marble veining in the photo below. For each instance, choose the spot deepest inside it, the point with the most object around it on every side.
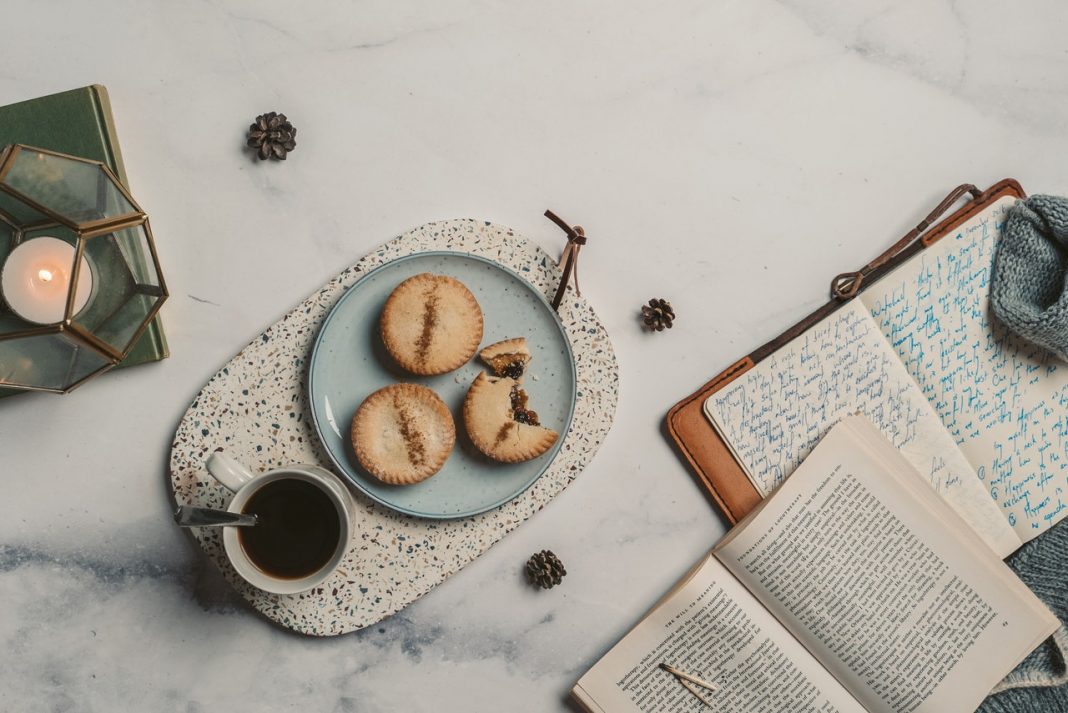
(730, 157)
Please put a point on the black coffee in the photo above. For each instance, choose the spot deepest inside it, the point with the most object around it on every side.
(297, 529)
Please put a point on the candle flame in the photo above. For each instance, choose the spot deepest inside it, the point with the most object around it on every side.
(45, 275)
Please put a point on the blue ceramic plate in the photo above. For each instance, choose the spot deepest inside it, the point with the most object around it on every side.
(349, 362)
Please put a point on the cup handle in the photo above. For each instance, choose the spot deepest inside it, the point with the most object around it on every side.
(230, 474)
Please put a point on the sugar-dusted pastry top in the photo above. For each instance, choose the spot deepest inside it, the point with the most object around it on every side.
(403, 433)
(431, 324)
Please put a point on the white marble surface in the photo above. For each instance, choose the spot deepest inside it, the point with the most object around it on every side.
(730, 156)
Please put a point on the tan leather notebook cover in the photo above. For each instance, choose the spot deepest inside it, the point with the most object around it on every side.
(695, 437)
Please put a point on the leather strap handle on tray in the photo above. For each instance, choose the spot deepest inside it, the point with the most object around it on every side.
(846, 285)
(576, 238)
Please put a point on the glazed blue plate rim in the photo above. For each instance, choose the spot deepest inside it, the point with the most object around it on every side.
(344, 468)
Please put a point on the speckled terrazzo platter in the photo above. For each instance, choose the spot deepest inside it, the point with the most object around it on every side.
(348, 363)
(256, 410)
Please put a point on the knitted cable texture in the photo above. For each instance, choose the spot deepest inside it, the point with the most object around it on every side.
(1029, 286)
(1040, 683)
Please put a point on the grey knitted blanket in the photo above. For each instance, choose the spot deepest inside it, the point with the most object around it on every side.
(1029, 285)
(1040, 683)
(1029, 294)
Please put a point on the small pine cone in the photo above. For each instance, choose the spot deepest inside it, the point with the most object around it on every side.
(658, 314)
(272, 135)
(545, 570)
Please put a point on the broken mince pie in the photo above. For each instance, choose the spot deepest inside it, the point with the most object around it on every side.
(500, 424)
(507, 358)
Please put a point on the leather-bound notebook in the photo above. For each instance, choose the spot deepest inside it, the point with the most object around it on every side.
(78, 122)
(909, 341)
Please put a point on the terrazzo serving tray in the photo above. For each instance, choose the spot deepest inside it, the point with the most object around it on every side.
(256, 410)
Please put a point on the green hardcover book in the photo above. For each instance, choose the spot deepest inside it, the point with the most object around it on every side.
(79, 123)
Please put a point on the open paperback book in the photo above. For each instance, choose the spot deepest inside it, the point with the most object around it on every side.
(854, 587)
(979, 412)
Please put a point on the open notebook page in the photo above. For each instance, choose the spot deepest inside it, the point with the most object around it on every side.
(1004, 400)
(712, 628)
(775, 413)
(882, 581)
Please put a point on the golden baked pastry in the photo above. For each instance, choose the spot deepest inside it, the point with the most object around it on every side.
(507, 358)
(499, 422)
(431, 324)
(403, 434)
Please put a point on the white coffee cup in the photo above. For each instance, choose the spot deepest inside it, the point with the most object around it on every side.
(244, 484)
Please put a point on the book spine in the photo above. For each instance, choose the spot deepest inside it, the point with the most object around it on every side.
(154, 330)
(107, 131)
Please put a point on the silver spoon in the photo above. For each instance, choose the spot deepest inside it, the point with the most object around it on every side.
(188, 516)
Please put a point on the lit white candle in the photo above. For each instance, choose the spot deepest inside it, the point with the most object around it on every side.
(36, 280)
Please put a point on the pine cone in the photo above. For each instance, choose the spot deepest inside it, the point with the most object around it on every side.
(545, 570)
(658, 314)
(272, 136)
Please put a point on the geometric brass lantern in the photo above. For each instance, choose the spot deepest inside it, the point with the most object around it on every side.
(79, 275)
